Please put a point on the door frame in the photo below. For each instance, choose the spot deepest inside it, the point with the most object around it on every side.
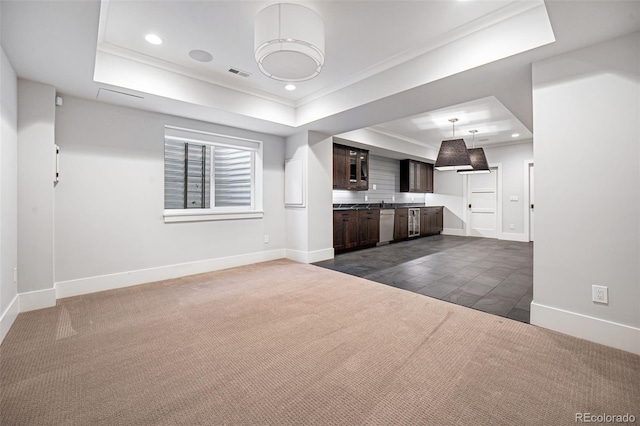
(497, 167)
(527, 196)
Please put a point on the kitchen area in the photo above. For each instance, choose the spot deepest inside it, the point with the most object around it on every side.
(379, 200)
(388, 228)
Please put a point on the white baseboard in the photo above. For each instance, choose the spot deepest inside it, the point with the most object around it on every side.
(453, 231)
(8, 317)
(310, 256)
(509, 236)
(125, 279)
(39, 299)
(597, 330)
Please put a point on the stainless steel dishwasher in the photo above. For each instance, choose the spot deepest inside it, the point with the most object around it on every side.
(387, 219)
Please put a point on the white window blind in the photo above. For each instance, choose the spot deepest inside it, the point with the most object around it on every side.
(210, 173)
(233, 172)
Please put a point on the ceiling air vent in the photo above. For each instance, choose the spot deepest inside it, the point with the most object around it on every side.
(239, 72)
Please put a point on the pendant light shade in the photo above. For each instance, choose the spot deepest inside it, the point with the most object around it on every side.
(289, 42)
(453, 155)
(479, 162)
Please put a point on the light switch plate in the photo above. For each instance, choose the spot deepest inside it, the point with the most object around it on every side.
(513, 198)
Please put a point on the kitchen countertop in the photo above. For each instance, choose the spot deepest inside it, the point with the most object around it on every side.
(377, 206)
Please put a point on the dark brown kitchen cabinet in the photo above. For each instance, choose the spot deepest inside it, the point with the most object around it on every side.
(416, 176)
(345, 230)
(368, 227)
(350, 168)
(430, 221)
(401, 225)
(340, 167)
(355, 229)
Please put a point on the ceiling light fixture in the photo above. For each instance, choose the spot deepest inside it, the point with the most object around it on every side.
(290, 87)
(453, 153)
(153, 39)
(478, 159)
(289, 42)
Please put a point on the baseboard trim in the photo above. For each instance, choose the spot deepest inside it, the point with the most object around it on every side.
(39, 299)
(125, 279)
(310, 256)
(8, 317)
(596, 330)
(453, 231)
(509, 236)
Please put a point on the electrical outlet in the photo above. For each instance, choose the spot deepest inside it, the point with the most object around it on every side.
(393, 198)
(599, 294)
(374, 187)
(266, 239)
(15, 275)
(366, 198)
(512, 226)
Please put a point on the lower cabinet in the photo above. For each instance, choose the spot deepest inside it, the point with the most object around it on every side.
(430, 221)
(355, 229)
(368, 227)
(401, 225)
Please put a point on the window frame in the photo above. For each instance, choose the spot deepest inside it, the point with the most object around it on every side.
(254, 211)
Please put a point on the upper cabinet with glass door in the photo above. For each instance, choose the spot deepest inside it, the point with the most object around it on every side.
(350, 168)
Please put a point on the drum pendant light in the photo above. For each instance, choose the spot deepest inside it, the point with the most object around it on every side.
(289, 42)
(478, 159)
(453, 153)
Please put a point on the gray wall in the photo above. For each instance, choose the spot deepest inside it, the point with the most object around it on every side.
(384, 173)
(8, 183)
(109, 202)
(36, 154)
(587, 147)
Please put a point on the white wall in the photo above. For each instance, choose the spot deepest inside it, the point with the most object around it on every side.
(310, 228)
(512, 159)
(36, 154)
(586, 107)
(8, 193)
(450, 187)
(320, 194)
(448, 192)
(109, 223)
(297, 220)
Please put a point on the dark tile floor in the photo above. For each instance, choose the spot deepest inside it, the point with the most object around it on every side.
(486, 274)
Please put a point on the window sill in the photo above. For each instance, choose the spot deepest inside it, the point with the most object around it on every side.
(173, 216)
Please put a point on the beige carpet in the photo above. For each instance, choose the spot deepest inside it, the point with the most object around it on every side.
(290, 344)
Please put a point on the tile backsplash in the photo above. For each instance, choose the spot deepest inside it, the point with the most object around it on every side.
(384, 174)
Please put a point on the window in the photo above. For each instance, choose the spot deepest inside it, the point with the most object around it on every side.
(210, 177)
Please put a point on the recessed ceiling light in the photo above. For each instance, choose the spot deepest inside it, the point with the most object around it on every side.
(201, 55)
(515, 135)
(290, 87)
(153, 39)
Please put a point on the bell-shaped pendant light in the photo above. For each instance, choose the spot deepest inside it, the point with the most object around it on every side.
(478, 159)
(453, 153)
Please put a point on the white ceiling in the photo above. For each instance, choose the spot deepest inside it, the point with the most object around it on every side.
(494, 123)
(386, 60)
(361, 37)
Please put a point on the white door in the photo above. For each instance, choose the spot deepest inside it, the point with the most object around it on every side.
(482, 204)
(531, 206)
